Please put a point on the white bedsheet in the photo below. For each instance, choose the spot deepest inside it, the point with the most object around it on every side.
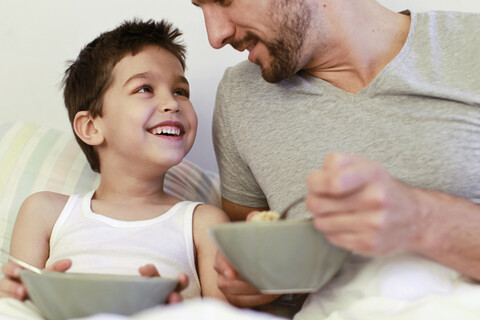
(196, 309)
(402, 287)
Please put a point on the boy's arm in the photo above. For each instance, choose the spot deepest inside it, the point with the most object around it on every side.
(33, 226)
(204, 217)
(30, 239)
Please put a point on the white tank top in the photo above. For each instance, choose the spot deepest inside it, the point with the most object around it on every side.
(100, 244)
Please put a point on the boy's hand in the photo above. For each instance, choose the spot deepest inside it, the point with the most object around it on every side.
(11, 286)
(149, 270)
(238, 291)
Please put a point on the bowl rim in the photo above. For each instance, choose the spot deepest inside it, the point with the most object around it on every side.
(263, 224)
(94, 277)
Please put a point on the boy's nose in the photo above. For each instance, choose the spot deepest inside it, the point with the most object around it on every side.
(169, 106)
(219, 28)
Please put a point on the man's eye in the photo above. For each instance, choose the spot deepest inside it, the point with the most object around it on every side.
(223, 2)
(182, 92)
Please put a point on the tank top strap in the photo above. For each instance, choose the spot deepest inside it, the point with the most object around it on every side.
(69, 207)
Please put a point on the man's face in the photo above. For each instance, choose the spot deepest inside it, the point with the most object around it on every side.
(272, 30)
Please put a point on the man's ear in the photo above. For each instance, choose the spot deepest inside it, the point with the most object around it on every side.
(86, 129)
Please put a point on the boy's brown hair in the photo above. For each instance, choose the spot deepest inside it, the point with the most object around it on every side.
(90, 75)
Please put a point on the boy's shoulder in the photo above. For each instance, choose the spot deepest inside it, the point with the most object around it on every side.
(46, 198)
(208, 215)
(44, 205)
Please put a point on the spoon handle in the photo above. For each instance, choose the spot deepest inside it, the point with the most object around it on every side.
(290, 206)
(22, 263)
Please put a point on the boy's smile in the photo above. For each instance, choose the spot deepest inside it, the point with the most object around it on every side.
(172, 129)
(148, 119)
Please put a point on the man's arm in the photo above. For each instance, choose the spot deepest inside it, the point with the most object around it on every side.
(238, 212)
(359, 206)
(450, 233)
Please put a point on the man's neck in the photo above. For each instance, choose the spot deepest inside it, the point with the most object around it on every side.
(365, 38)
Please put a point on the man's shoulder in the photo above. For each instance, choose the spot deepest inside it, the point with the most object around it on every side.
(244, 70)
(246, 77)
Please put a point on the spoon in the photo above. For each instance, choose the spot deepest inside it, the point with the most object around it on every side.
(22, 263)
(283, 214)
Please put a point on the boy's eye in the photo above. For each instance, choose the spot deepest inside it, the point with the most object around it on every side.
(145, 89)
(181, 92)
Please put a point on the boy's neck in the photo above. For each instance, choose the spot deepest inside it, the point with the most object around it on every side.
(127, 204)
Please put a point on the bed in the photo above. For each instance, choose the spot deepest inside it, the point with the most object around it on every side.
(34, 158)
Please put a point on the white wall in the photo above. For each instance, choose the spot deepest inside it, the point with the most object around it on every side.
(39, 37)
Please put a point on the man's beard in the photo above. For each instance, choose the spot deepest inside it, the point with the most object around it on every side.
(284, 59)
(286, 47)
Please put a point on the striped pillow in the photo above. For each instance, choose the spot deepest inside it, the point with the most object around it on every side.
(35, 158)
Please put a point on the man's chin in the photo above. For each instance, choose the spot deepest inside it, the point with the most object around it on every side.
(274, 77)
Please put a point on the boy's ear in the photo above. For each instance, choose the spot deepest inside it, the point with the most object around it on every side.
(86, 129)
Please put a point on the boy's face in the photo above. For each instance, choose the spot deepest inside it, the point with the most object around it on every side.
(148, 120)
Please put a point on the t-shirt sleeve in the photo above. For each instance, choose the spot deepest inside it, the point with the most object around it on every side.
(237, 181)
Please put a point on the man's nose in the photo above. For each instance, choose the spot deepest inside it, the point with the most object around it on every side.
(219, 27)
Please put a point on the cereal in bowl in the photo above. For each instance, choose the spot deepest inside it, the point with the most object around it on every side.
(265, 216)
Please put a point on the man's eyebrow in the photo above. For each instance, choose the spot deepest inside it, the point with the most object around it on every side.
(143, 75)
(197, 2)
(184, 80)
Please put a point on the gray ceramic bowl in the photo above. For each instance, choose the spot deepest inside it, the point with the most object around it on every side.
(287, 256)
(71, 295)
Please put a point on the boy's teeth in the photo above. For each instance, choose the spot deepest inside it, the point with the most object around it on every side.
(167, 130)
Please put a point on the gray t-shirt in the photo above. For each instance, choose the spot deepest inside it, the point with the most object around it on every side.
(420, 118)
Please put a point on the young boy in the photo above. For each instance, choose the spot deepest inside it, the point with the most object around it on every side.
(128, 102)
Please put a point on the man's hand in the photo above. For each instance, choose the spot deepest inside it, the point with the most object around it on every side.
(359, 206)
(238, 291)
(149, 270)
(11, 286)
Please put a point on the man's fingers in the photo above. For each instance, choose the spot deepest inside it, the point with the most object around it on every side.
(336, 183)
(223, 267)
(251, 215)
(338, 160)
(236, 286)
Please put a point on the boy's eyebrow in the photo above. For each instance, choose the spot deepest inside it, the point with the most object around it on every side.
(143, 75)
(148, 75)
(197, 2)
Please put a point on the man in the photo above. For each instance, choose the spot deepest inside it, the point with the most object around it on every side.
(397, 94)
